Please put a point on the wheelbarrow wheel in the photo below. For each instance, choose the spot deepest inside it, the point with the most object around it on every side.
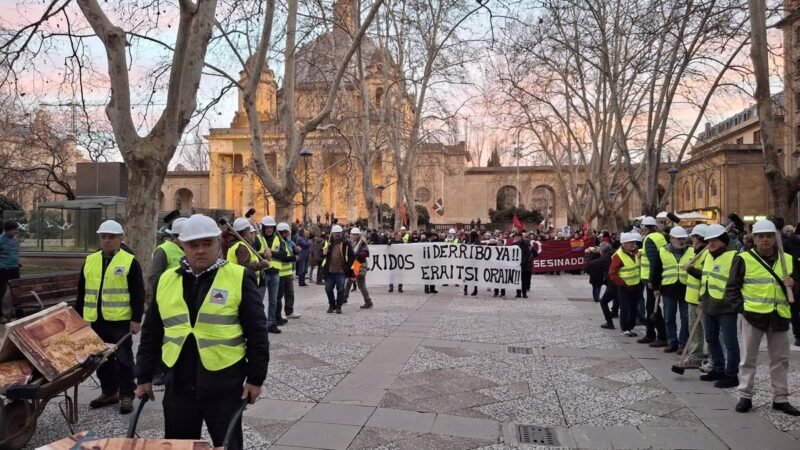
(14, 427)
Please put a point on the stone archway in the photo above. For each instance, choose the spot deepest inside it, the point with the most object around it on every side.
(506, 197)
(544, 201)
(184, 199)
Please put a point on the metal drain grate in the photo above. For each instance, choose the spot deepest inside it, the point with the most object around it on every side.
(520, 350)
(531, 434)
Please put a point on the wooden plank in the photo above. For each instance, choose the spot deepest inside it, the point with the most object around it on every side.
(9, 350)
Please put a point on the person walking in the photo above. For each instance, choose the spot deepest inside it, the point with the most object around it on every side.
(719, 314)
(167, 255)
(598, 278)
(361, 251)
(758, 286)
(338, 258)
(315, 258)
(694, 358)
(9, 258)
(654, 319)
(625, 273)
(285, 298)
(208, 331)
(669, 281)
(111, 298)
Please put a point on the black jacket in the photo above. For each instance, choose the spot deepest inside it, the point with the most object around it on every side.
(349, 257)
(598, 271)
(188, 374)
(282, 254)
(527, 257)
(135, 288)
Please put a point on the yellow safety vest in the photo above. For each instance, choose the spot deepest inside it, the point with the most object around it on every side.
(115, 295)
(629, 272)
(174, 253)
(276, 245)
(406, 237)
(672, 269)
(325, 246)
(715, 274)
(761, 291)
(217, 330)
(286, 267)
(233, 259)
(644, 261)
(693, 284)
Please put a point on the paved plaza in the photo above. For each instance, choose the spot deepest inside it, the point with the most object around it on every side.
(446, 371)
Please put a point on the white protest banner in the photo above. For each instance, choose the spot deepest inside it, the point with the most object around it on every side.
(443, 263)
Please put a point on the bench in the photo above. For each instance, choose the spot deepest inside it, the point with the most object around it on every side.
(37, 293)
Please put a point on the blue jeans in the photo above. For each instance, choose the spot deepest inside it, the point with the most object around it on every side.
(596, 293)
(722, 326)
(302, 268)
(331, 280)
(271, 281)
(672, 306)
(628, 306)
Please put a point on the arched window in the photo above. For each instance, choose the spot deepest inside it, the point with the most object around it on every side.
(423, 195)
(699, 190)
(506, 197)
(183, 199)
(712, 187)
(687, 192)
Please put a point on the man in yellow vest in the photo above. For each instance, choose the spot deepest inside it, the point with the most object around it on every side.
(269, 239)
(111, 298)
(166, 256)
(625, 273)
(757, 286)
(207, 330)
(285, 299)
(240, 254)
(694, 357)
(338, 258)
(719, 314)
(668, 279)
(649, 256)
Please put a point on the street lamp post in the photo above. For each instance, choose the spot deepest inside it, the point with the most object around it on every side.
(673, 172)
(305, 153)
(380, 189)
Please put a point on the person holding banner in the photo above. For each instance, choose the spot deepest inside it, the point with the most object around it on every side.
(525, 248)
(361, 250)
(430, 237)
(338, 258)
(625, 273)
(399, 238)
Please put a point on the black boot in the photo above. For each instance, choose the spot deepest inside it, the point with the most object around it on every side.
(744, 405)
(786, 407)
(400, 288)
(426, 289)
(391, 288)
(474, 291)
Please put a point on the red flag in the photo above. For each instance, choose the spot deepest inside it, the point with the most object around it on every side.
(585, 224)
(517, 224)
(403, 215)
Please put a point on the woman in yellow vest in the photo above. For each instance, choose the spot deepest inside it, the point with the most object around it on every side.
(208, 331)
(756, 286)
(111, 298)
(625, 273)
(668, 279)
(719, 314)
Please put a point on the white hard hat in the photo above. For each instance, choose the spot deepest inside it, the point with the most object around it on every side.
(402, 228)
(110, 227)
(714, 231)
(283, 226)
(175, 228)
(199, 227)
(624, 238)
(336, 229)
(355, 230)
(699, 230)
(241, 224)
(636, 237)
(763, 227)
(649, 221)
(451, 231)
(268, 221)
(678, 232)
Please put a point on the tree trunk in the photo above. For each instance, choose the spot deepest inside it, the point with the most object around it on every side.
(284, 205)
(759, 53)
(145, 177)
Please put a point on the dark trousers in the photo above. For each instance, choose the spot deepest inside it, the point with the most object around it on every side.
(322, 271)
(116, 374)
(526, 281)
(285, 296)
(721, 333)
(184, 414)
(795, 307)
(628, 306)
(335, 280)
(302, 268)
(7, 275)
(361, 282)
(655, 321)
(609, 296)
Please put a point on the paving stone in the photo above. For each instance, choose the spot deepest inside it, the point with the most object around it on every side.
(300, 360)
(415, 392)
(402, 420)
(278, 409)
(654, 407)
(367, 380)
(590, 437)
(445, 403)
(459, 385)
(692, 437)
(339, 414)
(355, 396)
(319, 435)
(466, 427)
(380, 438)
(626, 437)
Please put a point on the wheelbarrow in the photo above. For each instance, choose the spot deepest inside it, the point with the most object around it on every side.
(24, 403)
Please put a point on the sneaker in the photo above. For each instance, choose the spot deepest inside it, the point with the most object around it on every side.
(797, 342)
(294, 316)
(658, 344)
(633, 333)
(646, 340)
(712, 376)
(706, 367)
(104, 400)
(786, 407)
(607, 326)
(274, 329)
(331, 309)
(669, 349)
(126, 405)
(624, 333)
(727, 382)
(744, 405)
